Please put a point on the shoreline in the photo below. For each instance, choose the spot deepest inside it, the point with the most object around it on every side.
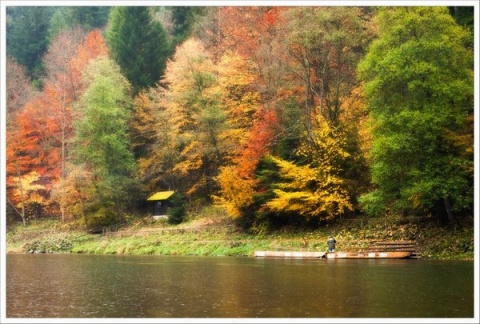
(217, 236)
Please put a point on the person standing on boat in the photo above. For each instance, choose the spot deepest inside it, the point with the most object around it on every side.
(331, 244)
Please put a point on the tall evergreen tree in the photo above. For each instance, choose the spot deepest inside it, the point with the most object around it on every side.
(88, 17)
(183, 19)
(27, 41)
(138, 44)
(419, 87)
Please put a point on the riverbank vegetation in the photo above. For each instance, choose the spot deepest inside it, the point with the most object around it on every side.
(295, 121)
(212, 233)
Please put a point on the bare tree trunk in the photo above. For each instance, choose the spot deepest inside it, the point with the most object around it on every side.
(62, 176)
(22, 198)
(16, 209)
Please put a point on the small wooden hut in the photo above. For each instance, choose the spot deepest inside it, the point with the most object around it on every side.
(161, 203)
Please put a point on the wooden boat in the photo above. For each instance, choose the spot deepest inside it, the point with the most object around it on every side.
(368, 255)
(290, 254)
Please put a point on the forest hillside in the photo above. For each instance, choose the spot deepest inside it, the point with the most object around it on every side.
(284, 117)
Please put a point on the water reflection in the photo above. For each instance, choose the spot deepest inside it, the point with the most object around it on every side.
(75, 286)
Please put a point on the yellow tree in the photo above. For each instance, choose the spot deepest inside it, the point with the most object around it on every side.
(154, 140)
(238, 97)
(238, 182)
(236, 192)
(197, 117)
(315, 189)
(322, 177)
(210, 108)
(26, 192)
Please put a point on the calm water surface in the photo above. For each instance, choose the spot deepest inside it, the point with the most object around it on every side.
(99, 286)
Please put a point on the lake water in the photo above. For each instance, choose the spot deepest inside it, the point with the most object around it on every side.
(113, 286)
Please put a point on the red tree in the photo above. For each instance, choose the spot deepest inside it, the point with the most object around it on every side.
(39, 132)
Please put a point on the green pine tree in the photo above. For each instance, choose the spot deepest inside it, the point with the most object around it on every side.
(138, 43)
(176, 213)
(85, 16)
(183, 19)
(27, 41)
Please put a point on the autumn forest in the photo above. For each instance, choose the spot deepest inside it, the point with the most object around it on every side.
(282, 115)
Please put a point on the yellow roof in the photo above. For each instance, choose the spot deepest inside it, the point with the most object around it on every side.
(161, 195)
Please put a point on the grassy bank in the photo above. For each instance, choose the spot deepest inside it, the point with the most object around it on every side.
(217, 236)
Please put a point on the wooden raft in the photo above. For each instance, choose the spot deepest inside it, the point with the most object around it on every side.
(288, 254)
(374, 248)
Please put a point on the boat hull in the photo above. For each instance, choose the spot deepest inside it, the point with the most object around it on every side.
(368, 255)
(290, 254)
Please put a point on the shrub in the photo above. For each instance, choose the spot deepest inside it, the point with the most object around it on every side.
(176, 212)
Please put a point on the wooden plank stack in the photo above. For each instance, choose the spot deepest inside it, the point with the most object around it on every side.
(387, 246)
